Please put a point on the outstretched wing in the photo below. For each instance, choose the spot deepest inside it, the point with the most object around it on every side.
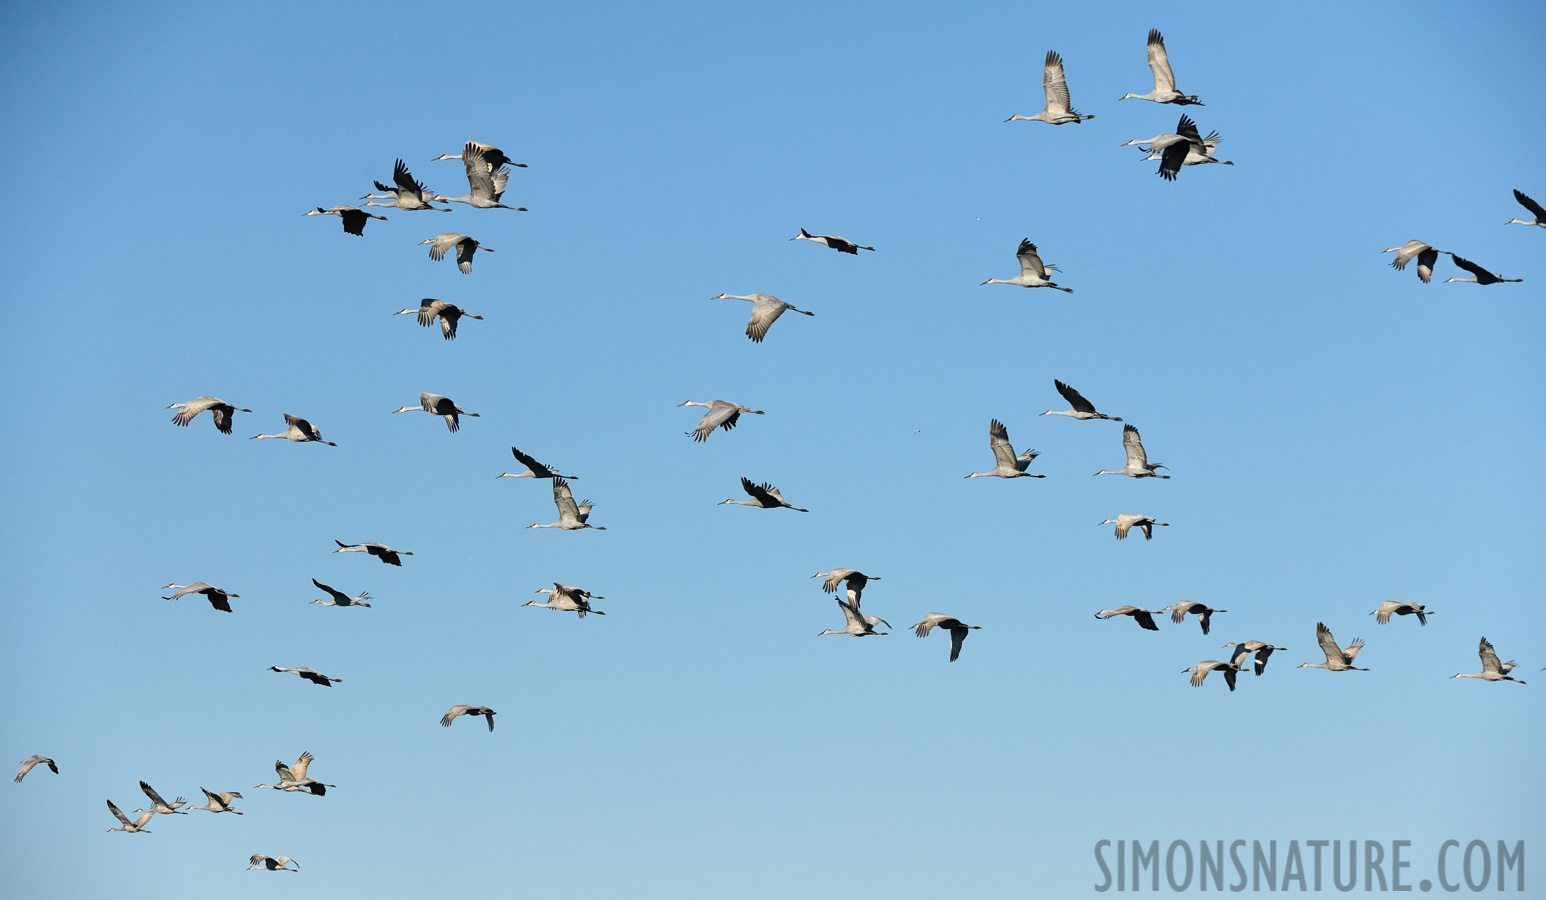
(563, 498)
(1054, 85)
(1132, 442)
(1074, 398)
(301, 765)
(338, 596)
(1159, 62)
(1030, 262)
(1531, 205)
(1489, 657)
(998, 439)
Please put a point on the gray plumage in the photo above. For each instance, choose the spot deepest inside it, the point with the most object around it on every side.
(219, 410)
(1006, 463)
(449, 314)
(721, 414)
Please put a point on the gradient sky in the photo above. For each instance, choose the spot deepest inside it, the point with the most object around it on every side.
(1338, 434)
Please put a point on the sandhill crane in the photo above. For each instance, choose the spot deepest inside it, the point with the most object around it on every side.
(135, 827)
(1425, 255)
(465, 248)
(408, 195)
(380, 551)
(219, 410)
(429, 309)
(486, 184)
(293, 778)
(1198, 154)
(858, 624)
(565, 598)
(1082, 408)
(308, 673)
(721, 414)
(840, 244)
(440, 406)
(1389, 608)
(1479, 275)
(1200, 672)
(1143, 617)
(571, 516)
(1337, 659)
(1059, 110)
(1006, 463)
(1164, 80)
(1262, 649)
(1535, 210)
(955, 626)
(339, 598)
(455, 711)
(1126, 521)
(853, 579)
(1174, 147)
(1492, 669)
(300, 431)
(219, 803)
(354, 217)
(491, 157)
(765, 311)
(157, 805)
(1137, 460)
(534, 469)
(34, 760)
(1033, 272)
(217, 598)
(1204, 613)
(271, 863)
(763, 495)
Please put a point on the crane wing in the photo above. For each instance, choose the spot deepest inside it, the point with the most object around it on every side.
(1074, 398)
(764, 314)
(1159, 62)
(998, 439)
(335, 594)
(1054, 85)
(1132, 442)
(1489, 657)
(301, 765)
(1328, 643)
(1531, 205)
(563, 498)
(1030, 262)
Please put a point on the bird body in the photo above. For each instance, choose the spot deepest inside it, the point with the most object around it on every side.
(449, 314)
(1082, 408)
(455, 711)
(353, 217)
(765, 311)
(35, 760)
(339, 598)
(159, 806)
(1425, 255)
(1534, 208)
(1164, 80)
(135, 827)
(1200, 671)
(308, 673)
(490, 157)
(856, 623)
(1138, 465)
(219, 803)
(219, 410)
(1204, 613)
(1059, 109)
(853, 579)
(841, 245)
(1006, 463)
(565, 598)
(408, 193)
(1143, 617)
(217, 598)
(1492, 669)
(271, 863)
(294, 778)
(1262, 649)
(764, 495)
(1337, 659)
(465, 248)
(721, 414)
(534, 469)
(571, 516)
(1033, 272)
(1126, 521)
(300, 432)
(443, 407)
(1390, 608)
(956, 627)
(1479, 275)
(380, 551)
(485, 182)
(1198, 154)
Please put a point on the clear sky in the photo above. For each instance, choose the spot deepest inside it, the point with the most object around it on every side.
(1338, 434)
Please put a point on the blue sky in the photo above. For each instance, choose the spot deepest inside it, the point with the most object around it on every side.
(1339, 434)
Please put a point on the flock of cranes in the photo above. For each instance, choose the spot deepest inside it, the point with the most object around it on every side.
(487, 172)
